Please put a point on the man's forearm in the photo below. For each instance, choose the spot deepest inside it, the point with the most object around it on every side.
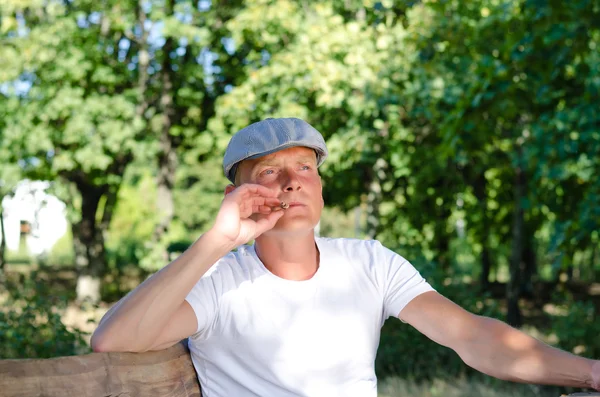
(137, 319)
(506, 353)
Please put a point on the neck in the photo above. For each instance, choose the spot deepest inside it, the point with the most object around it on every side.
(290, 257)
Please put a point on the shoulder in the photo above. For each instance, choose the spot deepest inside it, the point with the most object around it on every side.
(365, 254)
(351, 247)
(369, 254)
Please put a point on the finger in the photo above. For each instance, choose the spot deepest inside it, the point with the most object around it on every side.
(264, 209)
(273, 202)
(268, 222)
(248, 199)
(253, 189)
(270, 201)
(247, 209)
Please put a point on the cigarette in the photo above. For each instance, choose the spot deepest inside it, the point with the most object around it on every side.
(284, 205)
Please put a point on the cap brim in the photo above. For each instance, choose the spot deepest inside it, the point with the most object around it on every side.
(321, 156)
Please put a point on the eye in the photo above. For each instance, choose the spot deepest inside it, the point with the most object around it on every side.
(305, 167)
(268, 172)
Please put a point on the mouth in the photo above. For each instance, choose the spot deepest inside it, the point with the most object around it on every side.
(291, 204)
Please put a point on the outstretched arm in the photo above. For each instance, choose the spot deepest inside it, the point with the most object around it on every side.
(494, 348)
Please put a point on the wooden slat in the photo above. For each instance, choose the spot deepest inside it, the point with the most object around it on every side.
(164, 373)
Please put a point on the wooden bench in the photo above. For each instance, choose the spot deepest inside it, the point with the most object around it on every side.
(169, 372)
(164, 373)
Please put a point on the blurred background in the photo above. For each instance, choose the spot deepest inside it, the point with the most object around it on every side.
(464, 135)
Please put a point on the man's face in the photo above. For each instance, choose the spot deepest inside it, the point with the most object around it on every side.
(293, 174)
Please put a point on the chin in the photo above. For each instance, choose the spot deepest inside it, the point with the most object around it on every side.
(293, 226)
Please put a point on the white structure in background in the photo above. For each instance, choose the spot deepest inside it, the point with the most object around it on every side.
(32, 208)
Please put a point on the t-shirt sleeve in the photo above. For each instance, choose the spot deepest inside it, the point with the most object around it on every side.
(204, 300)
(401, 282)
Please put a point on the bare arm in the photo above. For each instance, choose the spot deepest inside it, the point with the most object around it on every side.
(155, 315)
(494, 348)
(136, 322)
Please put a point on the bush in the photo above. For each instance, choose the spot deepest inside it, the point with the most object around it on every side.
(30, 322)
(133, 222)
(578, 331)
(62, 253)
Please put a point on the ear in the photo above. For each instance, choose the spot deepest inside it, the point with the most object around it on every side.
(229, 188)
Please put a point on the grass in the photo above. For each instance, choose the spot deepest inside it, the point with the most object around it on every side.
(397, 387)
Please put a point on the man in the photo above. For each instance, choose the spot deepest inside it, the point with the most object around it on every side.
(297, 315)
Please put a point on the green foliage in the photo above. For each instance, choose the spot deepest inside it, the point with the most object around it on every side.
(21, 256)
(133, 220)
(61, 253)
(78, 116)
(336, 223)
(30, 322)
(578, 329)
(155, 256)
(129, 238)
(199, 191)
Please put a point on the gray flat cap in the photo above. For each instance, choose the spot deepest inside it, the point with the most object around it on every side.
(269, 136)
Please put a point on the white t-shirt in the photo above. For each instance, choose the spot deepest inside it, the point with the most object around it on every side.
(261, 335)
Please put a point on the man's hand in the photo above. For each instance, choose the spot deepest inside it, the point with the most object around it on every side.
(235, 222)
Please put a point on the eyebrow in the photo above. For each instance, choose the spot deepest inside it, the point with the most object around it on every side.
(306, 159)
(264, 163)
(271, 162)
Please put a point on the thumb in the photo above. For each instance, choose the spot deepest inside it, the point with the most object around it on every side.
(268, 222)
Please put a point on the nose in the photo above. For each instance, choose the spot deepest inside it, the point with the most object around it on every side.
(290, 181)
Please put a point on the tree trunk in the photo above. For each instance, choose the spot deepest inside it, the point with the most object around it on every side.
(3, 242)
(486, 266)
(480, 190)
(442, 242)
(570, 269)
(443, 212)
(513, 290)
(144, 61)
(88, 243)
(374, 197)
(167, 157)
(529, 261)
(377, 174)
(594, 258)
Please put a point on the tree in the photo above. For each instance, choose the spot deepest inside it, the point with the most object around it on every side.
(78, 120)
(512, 71)
(10, 172)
